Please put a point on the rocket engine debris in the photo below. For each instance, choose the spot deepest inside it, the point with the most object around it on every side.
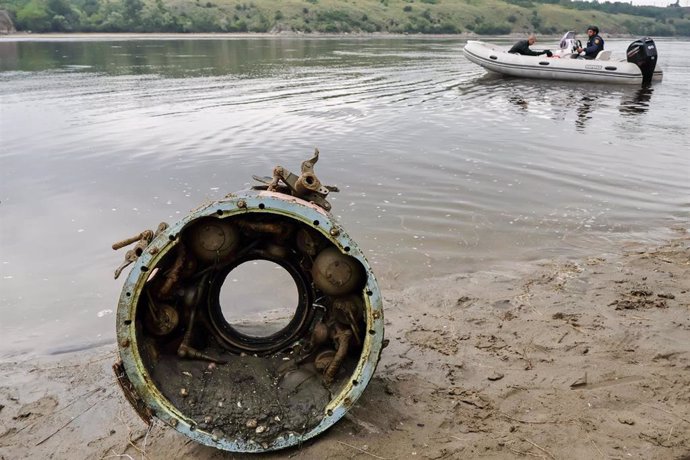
(183, 362)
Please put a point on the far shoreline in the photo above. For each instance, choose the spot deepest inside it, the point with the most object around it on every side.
(122, 36)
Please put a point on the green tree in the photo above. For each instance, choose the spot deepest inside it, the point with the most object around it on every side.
(535, 20)
(34, 16)
(132, 9)
(90, 7)
(157, 18)
(64, 16)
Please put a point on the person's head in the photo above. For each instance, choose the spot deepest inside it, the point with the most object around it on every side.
(532, 39)
(592, 30)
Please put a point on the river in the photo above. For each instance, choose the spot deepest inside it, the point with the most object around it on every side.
(442, 168)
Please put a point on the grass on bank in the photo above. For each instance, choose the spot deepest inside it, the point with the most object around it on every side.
(490, 17)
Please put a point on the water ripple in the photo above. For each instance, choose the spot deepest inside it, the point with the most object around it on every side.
(442, 167)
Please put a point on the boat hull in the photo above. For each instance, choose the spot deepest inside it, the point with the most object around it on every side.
(497, 60)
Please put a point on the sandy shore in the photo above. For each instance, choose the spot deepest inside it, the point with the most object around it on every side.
(558, 359)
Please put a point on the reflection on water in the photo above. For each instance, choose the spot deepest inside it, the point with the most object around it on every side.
(584, 110)
(519, 101)
(557, 98)
(639, 103)
(633, 102)
(442, 168)
(179, 58)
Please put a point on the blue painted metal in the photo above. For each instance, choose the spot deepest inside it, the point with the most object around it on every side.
(238, 204)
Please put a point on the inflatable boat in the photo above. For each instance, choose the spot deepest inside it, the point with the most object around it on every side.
(638, 68)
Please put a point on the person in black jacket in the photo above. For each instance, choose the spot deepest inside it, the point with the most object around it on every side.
(522, 47)
(594, 44)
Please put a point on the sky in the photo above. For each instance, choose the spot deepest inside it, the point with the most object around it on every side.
(658, 2)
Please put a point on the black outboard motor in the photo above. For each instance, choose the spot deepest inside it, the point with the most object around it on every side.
(643, 53)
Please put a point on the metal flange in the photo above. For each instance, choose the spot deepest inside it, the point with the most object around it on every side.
(176, 349)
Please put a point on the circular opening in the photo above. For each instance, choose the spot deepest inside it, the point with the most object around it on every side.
(316, 223)
(258, 298)
(262, 206)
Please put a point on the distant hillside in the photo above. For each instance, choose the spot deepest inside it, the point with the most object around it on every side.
(491, 17)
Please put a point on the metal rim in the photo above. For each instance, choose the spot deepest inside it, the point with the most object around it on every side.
(247, 202)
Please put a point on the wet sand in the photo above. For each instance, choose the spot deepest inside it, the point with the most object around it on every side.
(556, 359)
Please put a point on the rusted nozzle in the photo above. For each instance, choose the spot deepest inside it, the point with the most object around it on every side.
(307, 182)
(130, 240)
(146, 235)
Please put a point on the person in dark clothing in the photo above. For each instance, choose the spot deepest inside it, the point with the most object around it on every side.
(594, 44)
(522, 47)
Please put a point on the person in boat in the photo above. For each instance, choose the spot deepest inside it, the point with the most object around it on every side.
(522, 47)
(594, 44)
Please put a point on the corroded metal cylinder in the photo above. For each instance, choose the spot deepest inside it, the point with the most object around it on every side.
(184, 363)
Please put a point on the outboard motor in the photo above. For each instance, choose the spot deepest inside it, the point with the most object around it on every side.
(643, 53)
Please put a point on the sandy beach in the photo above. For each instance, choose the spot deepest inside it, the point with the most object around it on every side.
(557, 359)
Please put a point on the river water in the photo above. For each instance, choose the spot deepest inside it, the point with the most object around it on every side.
(442, 168)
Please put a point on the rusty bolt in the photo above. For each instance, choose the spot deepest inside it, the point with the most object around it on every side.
(377, 314)
(241, 204)
(334, 231)
(124, 343)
